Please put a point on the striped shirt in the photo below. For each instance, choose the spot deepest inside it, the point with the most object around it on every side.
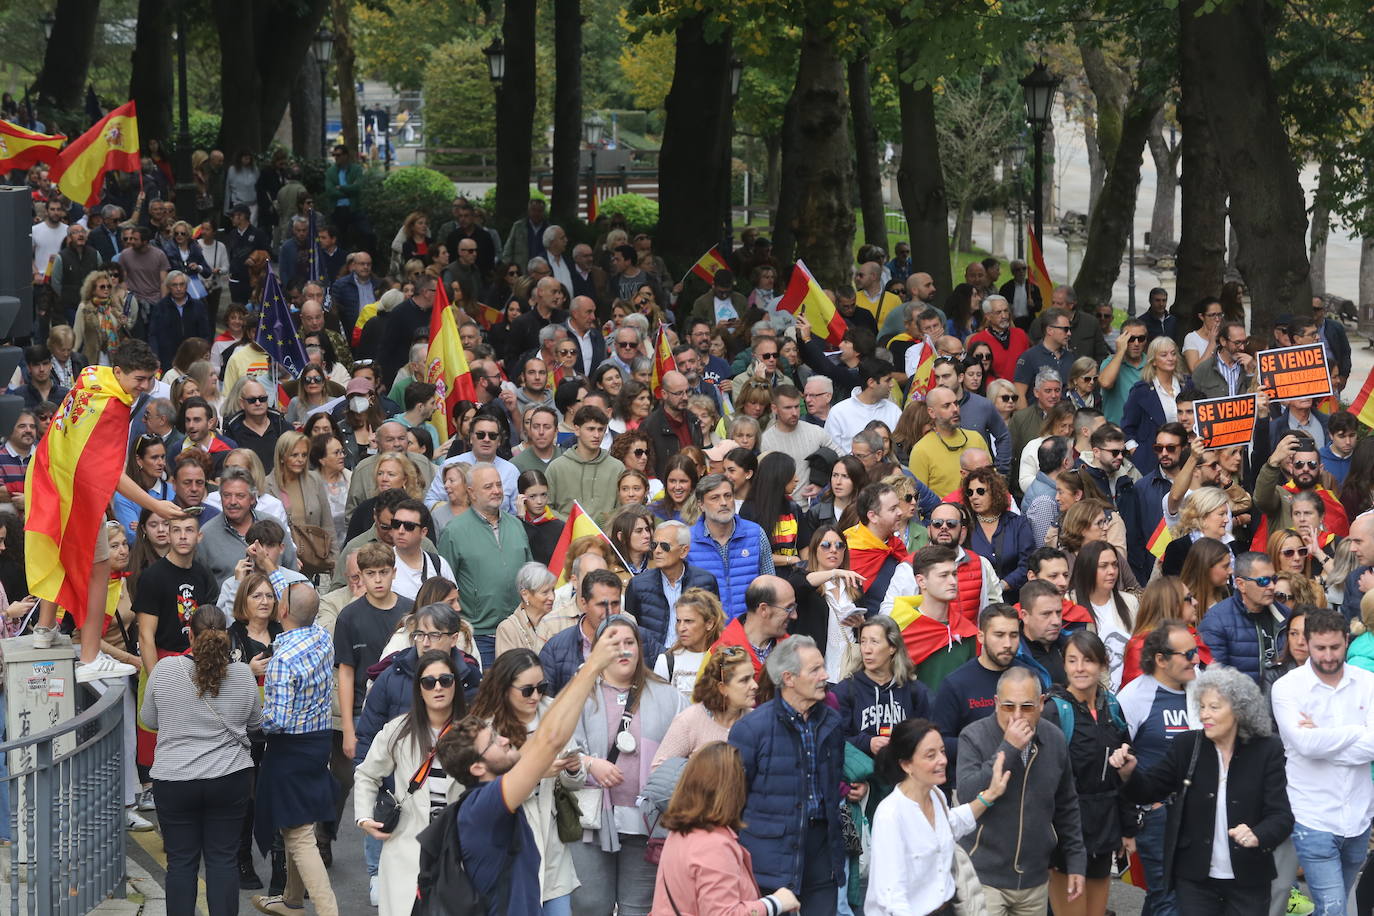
(200, 736)
(298, 682)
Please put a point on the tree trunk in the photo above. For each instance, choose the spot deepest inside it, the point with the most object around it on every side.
(1097, 166)
(1113, 219)
(346, 79)
(693, 165)
(921, 185)
(567, 108)
(818, 156)
(1321, 228)
(1366, 295)
(866, 169)
(772, 145)
(307, 115)
(150, 78)
(963, 227)
(61, 83)
(515, 101)
(1201, 263)
(999, 231)
(1267, 206)
(1166, 189)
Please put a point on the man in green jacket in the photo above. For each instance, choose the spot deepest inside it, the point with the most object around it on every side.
(586, 472)
(343, 186)
(486, 548)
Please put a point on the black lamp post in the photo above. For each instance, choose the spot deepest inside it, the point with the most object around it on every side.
(1039, 87)
(48, 20)
(324, 50)
(1018, 162)
(496, 70)
(186, 187)
(727, 219)
(594, 128)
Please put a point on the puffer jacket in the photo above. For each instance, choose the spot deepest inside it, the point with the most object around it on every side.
(645, 601)
(867, 706)
(562, 656)
(392, 690)
(1233, 635)
(744, 562)
(775, 815)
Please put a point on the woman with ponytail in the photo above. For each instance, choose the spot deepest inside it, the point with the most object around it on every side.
(202, 705)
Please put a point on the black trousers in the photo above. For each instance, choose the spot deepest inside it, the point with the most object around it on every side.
(203, 818)
(1220, 897)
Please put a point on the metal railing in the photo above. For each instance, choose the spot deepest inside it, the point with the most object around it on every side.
(70, 855)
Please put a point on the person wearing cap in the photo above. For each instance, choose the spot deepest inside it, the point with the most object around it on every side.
(717, 305)
(242, 239)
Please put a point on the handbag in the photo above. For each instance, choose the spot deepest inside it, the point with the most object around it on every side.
(1173, 821)
(386, 810)
(589, 800)
(314, 544)
(241, 739)
(567, 815)
(968, 890)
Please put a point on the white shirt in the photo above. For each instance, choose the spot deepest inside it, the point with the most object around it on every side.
(1329, 788)
(850, 416)
(47, 242)
(1220, 866)
(510, 478)
(1168, 398)
(408, 581)
(561, 271)
(1114, 634)
(1195, 342)
(909, 872)
(584, 343)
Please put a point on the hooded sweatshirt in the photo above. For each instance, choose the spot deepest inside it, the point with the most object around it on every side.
(869, 709)
(592, 483)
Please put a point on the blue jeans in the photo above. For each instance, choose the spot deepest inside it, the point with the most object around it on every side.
(486, 647)
(1331, 864)
(372, 853)
(558, 906)
(1149, 842)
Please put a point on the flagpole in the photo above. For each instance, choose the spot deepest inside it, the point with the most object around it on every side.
(604, 536)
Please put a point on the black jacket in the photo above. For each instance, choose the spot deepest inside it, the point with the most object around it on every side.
(1106, 815)
(1256, 795)
(664, 440)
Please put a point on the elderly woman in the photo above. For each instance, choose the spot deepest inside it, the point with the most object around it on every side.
(101, 319)
(1205, 513)
(521, 629)
(1082, 390)
(999, 535)
(1221, 859)
(724, 691)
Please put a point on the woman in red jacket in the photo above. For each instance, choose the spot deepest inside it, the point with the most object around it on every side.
(704, 870)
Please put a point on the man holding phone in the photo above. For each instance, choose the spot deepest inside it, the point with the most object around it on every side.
(1120, 371)
(266, 543)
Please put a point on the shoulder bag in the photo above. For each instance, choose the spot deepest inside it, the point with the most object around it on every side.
(241, 739)
(386, 810)
(968, 890)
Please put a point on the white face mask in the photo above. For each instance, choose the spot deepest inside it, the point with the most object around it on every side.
(358, 403)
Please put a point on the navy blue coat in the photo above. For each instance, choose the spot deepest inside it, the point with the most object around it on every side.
(1148, 497)
(343, 297)
(645, 601)
(391, 693)
(775, 815)
(167, 327)
(1232, 634)
(1140, 420)
(561, 657)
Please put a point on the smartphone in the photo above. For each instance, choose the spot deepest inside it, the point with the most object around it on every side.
(193, 511)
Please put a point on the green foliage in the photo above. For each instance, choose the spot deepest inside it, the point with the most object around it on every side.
(488, 201)
(389, 198)
(204, 132)
(641, 213)
(399, 40)
(460, 106)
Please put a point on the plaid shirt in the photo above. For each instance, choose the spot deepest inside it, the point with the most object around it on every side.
(806, 727)
(298, 684)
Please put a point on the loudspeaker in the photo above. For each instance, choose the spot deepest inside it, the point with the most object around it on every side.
(10, 406)
(16, 257)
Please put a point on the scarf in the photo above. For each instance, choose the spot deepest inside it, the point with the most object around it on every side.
(867, 553)
(548, 516)
(110, 324)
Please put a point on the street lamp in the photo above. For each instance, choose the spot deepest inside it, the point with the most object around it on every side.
(1018, 162)
(48, 20)
(324, 49)
(593, 129)
(736, 75)
(496, 60)
(1039, 87)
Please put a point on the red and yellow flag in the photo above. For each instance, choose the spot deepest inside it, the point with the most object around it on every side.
(579, 524)
(21, 148)
(447, 364)
(1161, 539)
(707, 265)
(805, 295)
(111, 145)
(663, 363)
(69, 483)
(1363, 405)
(486, 316)
(1035, 264)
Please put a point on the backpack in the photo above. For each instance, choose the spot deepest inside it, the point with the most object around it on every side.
(444, 887)
(1066, 715)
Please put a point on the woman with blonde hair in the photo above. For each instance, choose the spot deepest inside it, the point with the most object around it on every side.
(745, 431)
(707, 416)
(1151, 401)
(417, 244)
(699, 623)
(1082, 390)
(1289, 552)
(393, 471)
(724, 691)
(67, 363)
(302, 491)
(1205, 513)
(101, 319)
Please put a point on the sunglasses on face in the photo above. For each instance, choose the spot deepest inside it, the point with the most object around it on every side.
(909, 498)
(1114, 452)
(950, 523)
(529, 690)
(1136, 338)
(1009, 398)
(486, 434)
(1282, 597)
(430, 681)
(626, 344)
(406, 526)
(255, 399)
(1261, 581)
(977, 491)
(1293, 552)
(1161, 449)
(1057, 327)
(773, 355)
(1088, 378)
(567, 352)
(314, 380)
(1311, 464)
(1191, 654)
(663, 546)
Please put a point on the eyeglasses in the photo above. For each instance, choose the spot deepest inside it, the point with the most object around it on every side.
(562, 352)
(1191, 654)
(1261, 581)
(1161, 449)
(486, 434)
(664, 546)
(977, 491)
(773, 355)
(1105, 521)
(254, 399)
(950, 523)
(909, 498)
(529, 690)
(1114, 452)
(1009, 398)
(1311, 464)
(428, 636)
(1057, 327)
(1136, 338)
(639, 452)
(313, 380)
(430, 681)
(625, 344)
(1293, 552)
(1212, 315)
(1282, 597)
(791, 609)
(102, 286)
(406, 526)
(1190, 598)
(831, 545)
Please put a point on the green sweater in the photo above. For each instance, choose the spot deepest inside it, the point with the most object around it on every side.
(485, 570)
(591, 483)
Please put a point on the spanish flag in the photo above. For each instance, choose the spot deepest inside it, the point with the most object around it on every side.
(663, 363)
(486, 316)
(924, 636)
(21, 148)
(707, 265)
(69, 483)
(1363, 405)
(110, 146)
(578, 525)
(805, 294)
(447, 366)
(1161, 539)
(1035, 261)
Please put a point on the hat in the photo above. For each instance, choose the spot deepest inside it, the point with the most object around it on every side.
(723, 278)
(1283, 321)
(720, 450)
(819, 464)
(240, 208)
(358, 386)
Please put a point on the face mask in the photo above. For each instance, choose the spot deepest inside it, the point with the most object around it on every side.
(358, 403)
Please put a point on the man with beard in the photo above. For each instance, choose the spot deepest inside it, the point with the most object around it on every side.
(976, 413)
(1170, 445)
(977, 581)
(1106, 467)
(969, 693)
(1121, 370)
(733, 549)
(1042, 632)
(689, 364)
(1297, 458)
(670, 426)
(714, 370)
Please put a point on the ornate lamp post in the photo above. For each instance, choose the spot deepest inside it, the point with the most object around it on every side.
(324, 49)
(1039, 87)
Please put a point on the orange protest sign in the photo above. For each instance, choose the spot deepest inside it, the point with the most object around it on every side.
(1223, 422)
(1287, 373)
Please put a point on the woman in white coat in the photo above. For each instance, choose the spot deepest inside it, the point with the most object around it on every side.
(404, 749)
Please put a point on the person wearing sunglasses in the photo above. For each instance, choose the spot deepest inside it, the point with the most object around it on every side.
(1118, 374)
(1297, 458)
(404, 750)
(651, 596)
(257, 425)
(1247, 630)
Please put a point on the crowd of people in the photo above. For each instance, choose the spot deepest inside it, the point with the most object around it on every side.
(952, 618)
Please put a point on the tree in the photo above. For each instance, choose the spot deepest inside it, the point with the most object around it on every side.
(67, 55)
(397, 39)
(345, 57)
(973, 117)
(866, 166)
(1201, 265)
(567, 108)
(515, 102)
(1165, 154)
(150, 79)
(647, 64)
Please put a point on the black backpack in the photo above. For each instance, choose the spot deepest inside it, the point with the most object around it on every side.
(444, 887)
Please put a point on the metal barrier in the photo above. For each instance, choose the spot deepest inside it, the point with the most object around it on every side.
(71, 853)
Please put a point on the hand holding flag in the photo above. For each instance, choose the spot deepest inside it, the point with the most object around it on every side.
(805, 296)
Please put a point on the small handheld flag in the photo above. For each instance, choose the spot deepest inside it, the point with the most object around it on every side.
(21, 148)
(707, 265)
(277, 331)
(804, 295)
(579, 524)
(1038, 275)
(446, 364)
(663, 363)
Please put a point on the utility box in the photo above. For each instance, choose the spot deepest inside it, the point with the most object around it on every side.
(40, 693)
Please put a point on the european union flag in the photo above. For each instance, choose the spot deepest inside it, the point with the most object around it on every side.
(276, 331)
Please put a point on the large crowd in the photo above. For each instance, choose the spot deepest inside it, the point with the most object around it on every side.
(947, 616)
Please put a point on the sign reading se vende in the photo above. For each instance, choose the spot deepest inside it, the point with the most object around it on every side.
(1287, 373)
(1224, 422)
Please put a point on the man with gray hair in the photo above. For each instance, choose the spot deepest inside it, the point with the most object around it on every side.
(524, 333)
(296, 251)
(792, 747)
(651, 596)
(104, 237)
(555, 250)
(625, 346)
(224, 539)
(175, 317)
(538, 268)
(1025, 423)
(160, 419)
(818, 393)
(733, 549)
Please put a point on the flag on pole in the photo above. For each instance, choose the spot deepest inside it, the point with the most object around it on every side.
(486, 316)
(1161, 539)
(804, 294)
(110, 146)
(47, 270)
(277, 331)
(663, 363)
(447, 365)
(707, 265)
(592, 202)
(1038, 276)
(21, 148)
(69, 483)
(923, 377)
(579, 524)
(1363, 405)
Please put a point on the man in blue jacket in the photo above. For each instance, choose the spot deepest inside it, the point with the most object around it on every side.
(353, 290)
(598, 597)
(792, 749)
(734, 550)
(1247, 631)
(652, 595)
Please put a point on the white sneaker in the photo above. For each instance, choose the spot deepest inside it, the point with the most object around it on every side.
(104, 668)
(373, 892)
(135, 821)
(144, 801)
(43, 637)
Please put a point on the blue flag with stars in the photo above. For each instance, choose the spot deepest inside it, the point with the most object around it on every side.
(276, 331)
